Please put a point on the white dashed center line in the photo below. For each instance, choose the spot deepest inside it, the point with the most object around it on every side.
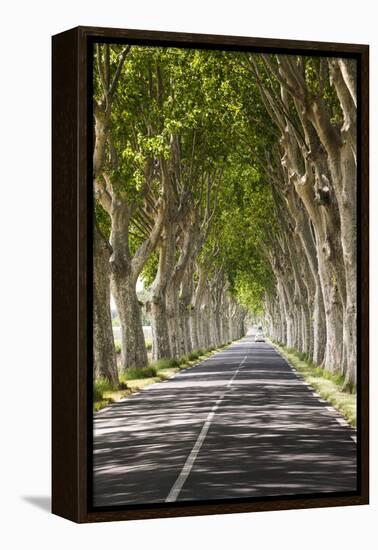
(183, 476)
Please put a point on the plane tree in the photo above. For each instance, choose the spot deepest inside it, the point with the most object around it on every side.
(312, 102)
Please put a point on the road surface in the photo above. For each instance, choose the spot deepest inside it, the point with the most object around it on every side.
(240, 424)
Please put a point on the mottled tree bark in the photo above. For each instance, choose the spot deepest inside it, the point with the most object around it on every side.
(104, 354)
(105, 362)
(125, 270)
(340, 146)
(134, 353)
(161, 347)
(320, 162)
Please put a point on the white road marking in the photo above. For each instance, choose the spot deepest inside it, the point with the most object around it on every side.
(183, 476)
(103, 410)
(341, 421)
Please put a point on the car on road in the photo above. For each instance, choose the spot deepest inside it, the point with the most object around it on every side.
(259, 336)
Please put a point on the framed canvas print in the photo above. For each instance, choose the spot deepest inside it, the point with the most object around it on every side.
(210, 274)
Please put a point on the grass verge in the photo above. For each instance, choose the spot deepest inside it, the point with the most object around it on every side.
(165, 364)
(134, 373)
(104, 393)
(135, 379)
(328, 385)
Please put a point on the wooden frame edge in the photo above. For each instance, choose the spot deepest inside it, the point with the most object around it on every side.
(64, 271)
(69, 291)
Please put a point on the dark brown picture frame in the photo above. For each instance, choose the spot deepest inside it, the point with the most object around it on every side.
(71, 380)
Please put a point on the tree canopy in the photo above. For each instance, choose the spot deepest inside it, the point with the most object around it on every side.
(227, 181)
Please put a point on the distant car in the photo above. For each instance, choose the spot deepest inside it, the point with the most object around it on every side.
(259, 336)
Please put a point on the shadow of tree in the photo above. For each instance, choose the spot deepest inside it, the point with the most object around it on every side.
(269, 437)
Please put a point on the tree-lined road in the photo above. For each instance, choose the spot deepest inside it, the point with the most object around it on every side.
(240, 424)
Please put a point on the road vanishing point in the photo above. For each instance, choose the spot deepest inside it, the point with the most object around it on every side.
(241, 424)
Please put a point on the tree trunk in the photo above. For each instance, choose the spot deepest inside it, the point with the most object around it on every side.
(193, 323)
(199, 338)
(325, 223)
(161, 347)
(343, 170)
(185, 307)
(160, 333)
(173, 313)
(104, 354)
(134, 353)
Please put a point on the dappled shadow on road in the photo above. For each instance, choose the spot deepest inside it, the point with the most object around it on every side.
(140, 444)
(272, 449)
(269, 436)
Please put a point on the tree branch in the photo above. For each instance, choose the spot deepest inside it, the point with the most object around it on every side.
(121, 60)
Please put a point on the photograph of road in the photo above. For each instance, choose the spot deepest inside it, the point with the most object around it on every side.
(224, 275)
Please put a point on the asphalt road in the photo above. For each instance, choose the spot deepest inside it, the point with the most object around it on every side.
(240, 424)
